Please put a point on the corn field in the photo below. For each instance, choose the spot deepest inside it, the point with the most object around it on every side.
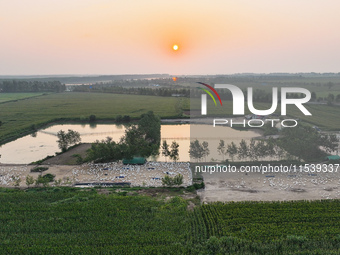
(72, 221)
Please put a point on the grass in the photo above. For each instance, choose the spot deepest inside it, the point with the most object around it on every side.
(6, 97)
(22, 117)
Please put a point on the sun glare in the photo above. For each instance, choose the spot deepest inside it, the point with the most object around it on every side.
(175, 47)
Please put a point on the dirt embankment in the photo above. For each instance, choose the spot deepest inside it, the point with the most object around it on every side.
(67, 158)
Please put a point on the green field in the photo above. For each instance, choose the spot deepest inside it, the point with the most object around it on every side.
(319, 85)
(21, 117)
(5, 97)
(324, 116)
(71, 221)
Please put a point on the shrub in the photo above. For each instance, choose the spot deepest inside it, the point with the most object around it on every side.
(199, 185)
(39, 169)
(170, 181)
(119, 118)
(49, 177)
(29, 180)
(126, 118)
(41, 180)
(79, 158)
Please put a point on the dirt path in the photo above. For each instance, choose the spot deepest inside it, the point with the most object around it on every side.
(272, 187)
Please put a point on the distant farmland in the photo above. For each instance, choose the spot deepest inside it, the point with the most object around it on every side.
(324, 116)
(25, 115)
(20, 117)
(5, 97)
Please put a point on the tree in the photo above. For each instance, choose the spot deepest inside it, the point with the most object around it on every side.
(329, 142)
(232, 150)
(106, 151)
(221, 148)
(196, 150)
(178, 180)
(17, 181)
(174, 155)
(92, 118)
(306, 143)
(330, 99)
(337, 98)
(243, 151)
(119, 118)
(252, 150)
(264, 149)
(126, 118)
(144, 139)
(167, 181)
(269, 130)
(271, 148)
(67, 139)
(206, 150)
(29, 180)
(165, 149)
(141, 140)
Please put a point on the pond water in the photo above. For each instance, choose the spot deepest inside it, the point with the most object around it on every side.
(32, 148)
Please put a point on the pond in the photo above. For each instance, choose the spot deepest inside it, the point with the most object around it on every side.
(35, 147)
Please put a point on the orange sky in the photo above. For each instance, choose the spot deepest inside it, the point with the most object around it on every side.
(136, 36)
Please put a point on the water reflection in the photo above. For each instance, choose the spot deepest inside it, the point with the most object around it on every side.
(35, 147)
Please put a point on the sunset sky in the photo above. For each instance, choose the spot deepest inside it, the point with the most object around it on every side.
(137, 36)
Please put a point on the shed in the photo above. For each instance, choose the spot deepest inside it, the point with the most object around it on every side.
(333, 157)
(134, 161)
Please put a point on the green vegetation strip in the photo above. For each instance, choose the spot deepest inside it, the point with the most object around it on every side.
(6, 97)
(72, 221)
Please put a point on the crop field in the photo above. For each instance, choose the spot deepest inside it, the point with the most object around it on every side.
(324, 116)
(22, 115)
(70, 221)
(5, 97)
(319, 85)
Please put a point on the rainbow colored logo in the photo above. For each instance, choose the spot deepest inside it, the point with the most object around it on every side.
(209, 93)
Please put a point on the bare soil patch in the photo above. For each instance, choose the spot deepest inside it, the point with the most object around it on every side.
(67, 158)
(226, 187)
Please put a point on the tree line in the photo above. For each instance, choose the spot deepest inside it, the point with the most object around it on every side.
(259, 95)
(302, 143)
(14, 86)
(255, 150)
(164, 92)
(171, 151)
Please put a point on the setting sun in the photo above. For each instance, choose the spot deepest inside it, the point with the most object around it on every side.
(175, 47)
